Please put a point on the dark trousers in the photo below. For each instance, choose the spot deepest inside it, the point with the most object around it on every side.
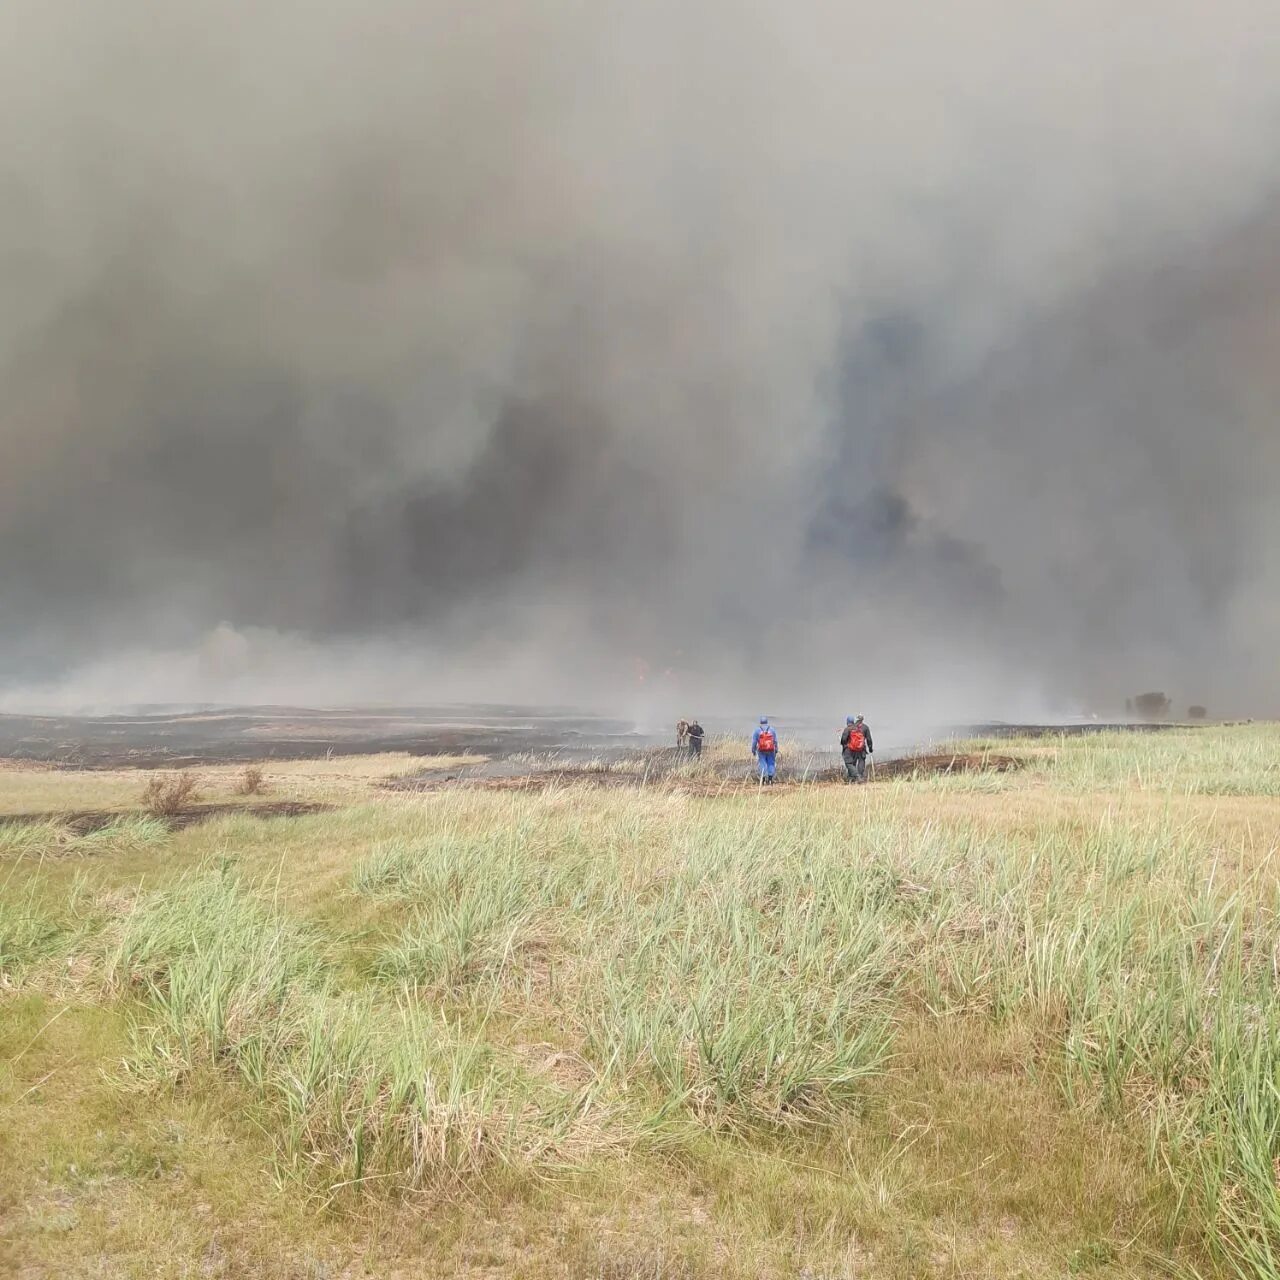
(855, 765)
(695, 746)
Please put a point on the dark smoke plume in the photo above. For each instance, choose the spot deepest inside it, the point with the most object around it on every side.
(803, 351)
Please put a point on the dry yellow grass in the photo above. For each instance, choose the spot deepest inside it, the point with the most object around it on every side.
(544, 951)
(39, 788)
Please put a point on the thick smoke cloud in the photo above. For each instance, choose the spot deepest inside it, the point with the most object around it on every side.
(368, 349)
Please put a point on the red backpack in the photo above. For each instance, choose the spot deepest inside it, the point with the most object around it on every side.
(857, 739)
(766, 741)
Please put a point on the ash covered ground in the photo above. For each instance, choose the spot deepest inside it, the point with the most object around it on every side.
(174, 738)
(513, 739)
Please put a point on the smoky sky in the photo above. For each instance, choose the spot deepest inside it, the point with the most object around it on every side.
(786, 346)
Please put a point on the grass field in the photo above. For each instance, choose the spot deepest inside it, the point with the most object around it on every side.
(984, 1024)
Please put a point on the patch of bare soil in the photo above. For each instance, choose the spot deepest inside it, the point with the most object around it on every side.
(87, 821)
(948, 762)
(664, 769)
(531, 780)
(562, 777)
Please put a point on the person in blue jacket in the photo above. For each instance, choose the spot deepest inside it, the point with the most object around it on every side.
(764, 746)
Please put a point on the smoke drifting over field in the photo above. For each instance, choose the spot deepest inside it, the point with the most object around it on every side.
(411, 349)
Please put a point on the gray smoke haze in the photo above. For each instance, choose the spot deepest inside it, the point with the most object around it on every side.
(379, 349)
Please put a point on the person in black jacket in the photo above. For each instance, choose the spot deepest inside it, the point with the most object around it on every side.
(695, 739)
(855, 747)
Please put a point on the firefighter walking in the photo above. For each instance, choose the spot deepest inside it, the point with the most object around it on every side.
(855, 747)
(764, 746)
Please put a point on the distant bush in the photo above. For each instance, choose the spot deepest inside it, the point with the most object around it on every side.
(164, 795)
(250, 780)
(1154, 706)
(1197, 712)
